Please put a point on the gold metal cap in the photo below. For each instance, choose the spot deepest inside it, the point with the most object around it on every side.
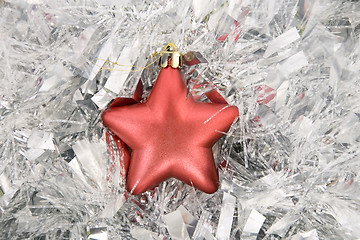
(171, 52)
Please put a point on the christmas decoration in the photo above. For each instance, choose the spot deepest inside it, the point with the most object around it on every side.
(288, 168)
(170, 134)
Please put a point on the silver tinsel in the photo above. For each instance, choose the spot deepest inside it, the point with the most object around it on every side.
(290, 165)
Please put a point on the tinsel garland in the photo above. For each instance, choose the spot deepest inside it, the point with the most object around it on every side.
(289, 168)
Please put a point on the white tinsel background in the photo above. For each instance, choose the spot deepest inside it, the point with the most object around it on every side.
(290, 165)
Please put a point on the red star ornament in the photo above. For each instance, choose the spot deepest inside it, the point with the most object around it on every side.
(171, 135)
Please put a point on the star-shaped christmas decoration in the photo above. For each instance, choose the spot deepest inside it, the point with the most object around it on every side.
(171, 135)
